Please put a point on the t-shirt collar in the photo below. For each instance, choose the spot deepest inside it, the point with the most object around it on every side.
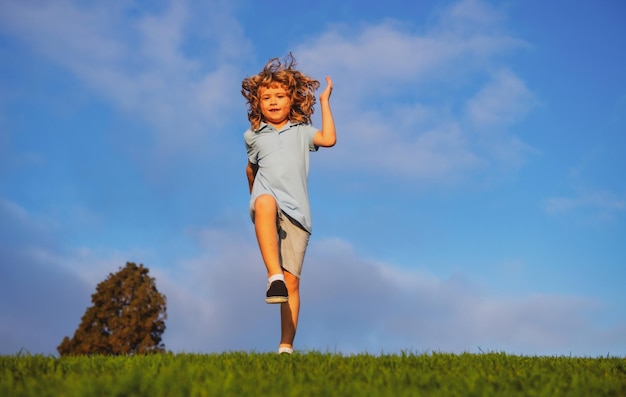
(266, 127)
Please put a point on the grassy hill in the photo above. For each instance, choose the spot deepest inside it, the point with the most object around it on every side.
(312, 374)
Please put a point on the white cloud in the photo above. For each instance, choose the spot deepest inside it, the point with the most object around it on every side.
(434, 105)
(389, 308)
(499, 105)
(138, 60)
(372, 57)
(350, 303)
(41, 296)
(435, 153)
(605, 203)
(385, 74)
(502, 102)
(472, 14)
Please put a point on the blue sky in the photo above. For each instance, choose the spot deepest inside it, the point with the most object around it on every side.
(475, 201)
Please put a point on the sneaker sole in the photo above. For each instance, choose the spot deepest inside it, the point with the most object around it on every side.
(277, 299)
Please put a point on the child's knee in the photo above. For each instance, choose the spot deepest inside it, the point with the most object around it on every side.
(292, 282)
(265, 203)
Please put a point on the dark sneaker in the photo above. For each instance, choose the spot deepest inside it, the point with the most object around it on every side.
(277, 292)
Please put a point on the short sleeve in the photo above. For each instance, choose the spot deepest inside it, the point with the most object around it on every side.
(251, 148)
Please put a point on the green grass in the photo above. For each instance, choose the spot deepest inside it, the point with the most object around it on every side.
(312, 374)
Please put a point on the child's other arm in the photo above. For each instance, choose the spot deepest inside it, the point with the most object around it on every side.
(251, 170)
(326, 137)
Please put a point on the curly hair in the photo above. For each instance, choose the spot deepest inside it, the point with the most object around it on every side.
(300, 89)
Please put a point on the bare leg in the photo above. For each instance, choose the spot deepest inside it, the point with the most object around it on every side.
(265, 210)
(289, 311)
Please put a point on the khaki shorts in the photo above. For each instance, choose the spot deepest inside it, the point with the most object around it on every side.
(292, 243)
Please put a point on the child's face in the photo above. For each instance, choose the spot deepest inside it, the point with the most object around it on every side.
(275, 105)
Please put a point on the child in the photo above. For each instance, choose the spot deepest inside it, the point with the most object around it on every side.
(280, 104)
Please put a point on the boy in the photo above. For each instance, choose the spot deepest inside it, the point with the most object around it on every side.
(280, 104)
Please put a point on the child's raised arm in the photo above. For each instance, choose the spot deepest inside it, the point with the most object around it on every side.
(326, 137)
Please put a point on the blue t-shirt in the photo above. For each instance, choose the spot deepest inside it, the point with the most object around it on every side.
(283, 160)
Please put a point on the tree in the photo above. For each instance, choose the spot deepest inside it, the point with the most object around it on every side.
(127, 317)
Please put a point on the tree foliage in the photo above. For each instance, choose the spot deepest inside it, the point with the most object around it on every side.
(127, 317)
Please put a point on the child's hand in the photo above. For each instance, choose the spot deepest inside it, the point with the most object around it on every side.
(325, 95)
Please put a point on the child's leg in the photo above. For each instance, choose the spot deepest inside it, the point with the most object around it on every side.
(289, 311)
(265, 212)
(293, 243)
